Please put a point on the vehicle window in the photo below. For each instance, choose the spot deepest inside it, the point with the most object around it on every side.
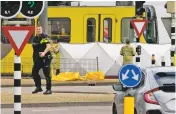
(127, 32)
(163, 78)
(107, 30)
(91, 30)
(151, 31)
(59, 29)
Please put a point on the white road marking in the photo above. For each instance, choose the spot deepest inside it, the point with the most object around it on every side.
(49, 110)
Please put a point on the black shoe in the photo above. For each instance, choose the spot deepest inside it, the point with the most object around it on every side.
(48, 92)
(37, 90)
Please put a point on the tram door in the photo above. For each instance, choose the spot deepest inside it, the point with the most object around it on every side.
(99, 28)
(90, 27)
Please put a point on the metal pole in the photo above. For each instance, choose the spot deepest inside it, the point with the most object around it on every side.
(97, 63)
(43, 18)
(0, 28)
(137, 55)
(137, 60)
(173, 34)
(17, 84)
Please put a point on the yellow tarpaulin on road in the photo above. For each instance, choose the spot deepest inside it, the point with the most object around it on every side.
(73, 76)
(94, 76)
(66, 76)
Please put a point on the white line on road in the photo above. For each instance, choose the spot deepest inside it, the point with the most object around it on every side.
(51, 110)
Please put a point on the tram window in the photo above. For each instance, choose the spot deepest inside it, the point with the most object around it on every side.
(59, 29)
(4, 39)
(91, 30)
(107, 30)
(126, 32)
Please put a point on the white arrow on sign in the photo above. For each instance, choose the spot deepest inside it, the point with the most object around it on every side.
(135, 77)
(124, 76)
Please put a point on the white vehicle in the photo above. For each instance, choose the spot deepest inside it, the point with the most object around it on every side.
(154, 95)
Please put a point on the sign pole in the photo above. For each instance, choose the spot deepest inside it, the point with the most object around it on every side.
(139, 27)
(170, 6)
(130, 76)
(17, 84)
(137, 58)
(18, 36)
(137, 55)
(172, 51)
(129, 104)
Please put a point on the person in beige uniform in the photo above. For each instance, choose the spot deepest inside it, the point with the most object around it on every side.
(55, 49)
(127, 51)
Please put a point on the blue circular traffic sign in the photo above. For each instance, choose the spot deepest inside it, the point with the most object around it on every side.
(130, 75)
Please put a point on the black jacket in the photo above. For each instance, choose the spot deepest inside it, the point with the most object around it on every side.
(39, 45)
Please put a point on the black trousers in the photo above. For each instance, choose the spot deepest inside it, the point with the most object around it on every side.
(45, 65)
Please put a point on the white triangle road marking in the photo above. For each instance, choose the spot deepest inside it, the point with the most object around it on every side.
(18, 36)
(139, 26)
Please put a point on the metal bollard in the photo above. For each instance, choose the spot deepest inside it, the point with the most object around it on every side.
(128, 105)
(153, 60)
(163, 61)
(138, 61)
(138, 51)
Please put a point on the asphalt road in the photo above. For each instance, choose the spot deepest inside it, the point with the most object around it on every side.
(61, 94)
(66, 89)
(62, 110)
